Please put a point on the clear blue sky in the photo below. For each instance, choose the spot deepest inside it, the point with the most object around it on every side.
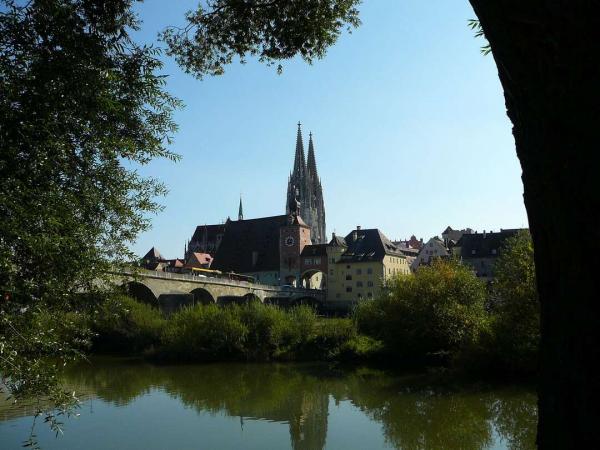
(408, 120)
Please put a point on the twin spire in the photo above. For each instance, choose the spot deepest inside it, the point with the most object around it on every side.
(305, 191)
(304, 168)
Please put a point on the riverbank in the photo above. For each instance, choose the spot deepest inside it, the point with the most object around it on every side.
(255, 332)
(208, 333)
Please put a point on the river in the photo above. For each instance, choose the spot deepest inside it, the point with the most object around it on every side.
(130, 404)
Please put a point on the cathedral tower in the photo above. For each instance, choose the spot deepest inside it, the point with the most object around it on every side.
(305, 185)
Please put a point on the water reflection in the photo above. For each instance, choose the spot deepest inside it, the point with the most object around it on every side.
(414, 412)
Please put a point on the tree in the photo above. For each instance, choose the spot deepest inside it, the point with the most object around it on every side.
(547, 54)
(82, 104)
(434, 313)
(515, 307)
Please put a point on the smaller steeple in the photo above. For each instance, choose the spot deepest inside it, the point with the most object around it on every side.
(241, 210)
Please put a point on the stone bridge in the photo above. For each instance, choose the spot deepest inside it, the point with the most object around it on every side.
(170, 290)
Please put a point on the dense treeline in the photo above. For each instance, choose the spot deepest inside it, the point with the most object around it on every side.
(441, 315)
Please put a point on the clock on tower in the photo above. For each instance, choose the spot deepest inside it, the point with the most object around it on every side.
(293, 237)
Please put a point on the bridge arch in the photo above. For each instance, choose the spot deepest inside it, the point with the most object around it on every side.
(203, 296)
(142, 293)
(313, 279)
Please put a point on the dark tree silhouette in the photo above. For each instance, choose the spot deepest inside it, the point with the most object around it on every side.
(547, 58)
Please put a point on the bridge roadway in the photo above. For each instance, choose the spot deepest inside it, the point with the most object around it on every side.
(172, 290)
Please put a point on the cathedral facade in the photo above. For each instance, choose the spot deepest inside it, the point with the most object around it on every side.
(304, 187)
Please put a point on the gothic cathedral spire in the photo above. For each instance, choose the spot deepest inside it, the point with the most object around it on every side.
(306, 186)
(311, 164)
(299, 162)
(241, 210)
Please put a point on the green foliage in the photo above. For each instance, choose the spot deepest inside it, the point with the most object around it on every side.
(333, 338)
(475, 25)
(251, 332)
(122, 324)
(204, 333)
(272, 30)
(81, 106)
(515, 306)
(436, 311)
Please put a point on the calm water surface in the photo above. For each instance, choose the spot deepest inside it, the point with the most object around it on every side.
(130, 404)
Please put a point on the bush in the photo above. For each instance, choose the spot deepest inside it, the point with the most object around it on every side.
(204, 333)
(122, 324)
(432, 313)
(252, 331)
(332, 338)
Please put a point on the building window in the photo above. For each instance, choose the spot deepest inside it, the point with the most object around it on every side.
(369, 295)
(358, 271)
(494, 251)
(307, 261)
(359, 295)
(369, 270)
(317, 260)
(348, 277)
(347, 267)
(359, 284)
(348, 289)
(370, 283)
(331, 272)
(473, 252)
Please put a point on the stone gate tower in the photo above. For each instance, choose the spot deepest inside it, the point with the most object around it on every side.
(305, 185)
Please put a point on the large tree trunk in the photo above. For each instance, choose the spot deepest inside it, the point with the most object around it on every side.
(548, 58)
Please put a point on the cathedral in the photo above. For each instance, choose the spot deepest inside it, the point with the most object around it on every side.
(269, 248)
(304, 186)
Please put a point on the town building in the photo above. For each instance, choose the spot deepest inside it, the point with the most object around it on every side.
(360, 264)
(433, 248)
(197, 260)
(481, 250)
(451, 236)
(413, 243)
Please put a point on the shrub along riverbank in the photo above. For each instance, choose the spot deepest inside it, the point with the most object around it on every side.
(442, 316)
(252, 332)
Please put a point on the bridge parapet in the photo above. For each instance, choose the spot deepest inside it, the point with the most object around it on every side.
(169, 283)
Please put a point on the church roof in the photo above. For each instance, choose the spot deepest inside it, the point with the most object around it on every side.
(210, 230)
(368, 245)
(250, 245)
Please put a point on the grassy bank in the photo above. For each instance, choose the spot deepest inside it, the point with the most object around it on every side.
(251, 332)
